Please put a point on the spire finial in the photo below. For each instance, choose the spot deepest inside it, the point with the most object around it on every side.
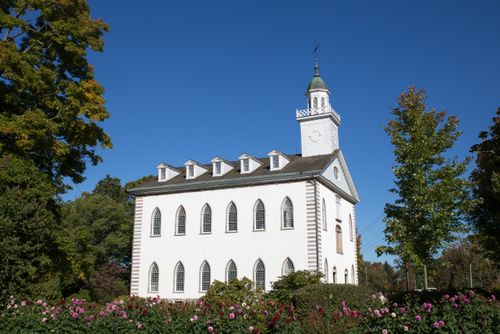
(316, 68)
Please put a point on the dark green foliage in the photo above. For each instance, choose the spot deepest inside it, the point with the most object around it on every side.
(330, 297)
(28, 221)
(284, 288)
(432, 197)
(234, 292)
(109, 281)
(486, 188)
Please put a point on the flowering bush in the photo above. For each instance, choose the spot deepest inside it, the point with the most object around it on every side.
(459, 313)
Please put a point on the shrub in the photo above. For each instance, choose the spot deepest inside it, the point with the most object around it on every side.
(231, 293)
(331, 296)
(284, 289)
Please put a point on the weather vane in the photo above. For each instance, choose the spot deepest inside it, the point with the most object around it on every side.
(315, 50)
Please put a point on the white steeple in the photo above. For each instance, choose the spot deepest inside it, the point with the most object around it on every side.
(318, 122)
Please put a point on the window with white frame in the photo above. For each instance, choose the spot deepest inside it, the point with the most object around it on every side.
(205, 276)
(315, 103)
(179, 277)
(260, 275)
(287, 267)
(246, 165)
(337, 205)
(181, 221)
(275, 161)
(154, 277)
(325, 271)
(346, 276)
(163, 173)
(287, 213)
(259, 216)
(351, 232)
(334, 278)
(156, 223)
(323, 215)
(190, 170)
(232, 218)
(231, 271)
(338, 235)
(217, 165)
(322, 102)
(206, 225)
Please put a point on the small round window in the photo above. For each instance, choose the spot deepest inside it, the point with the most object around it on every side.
(336, 172)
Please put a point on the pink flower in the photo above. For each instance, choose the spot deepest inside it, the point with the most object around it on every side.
(231, 308)
(80, 310)
(385, 331)
(138, 325)
(74, 315)
(441, 323)
(231, 315)
(418, 318)
(39, 302)
(194, 318)
(123, 315)
(266, 312)
(435, 324)
(250, 329)
(210, 329)
(44, 320)
(54, 318)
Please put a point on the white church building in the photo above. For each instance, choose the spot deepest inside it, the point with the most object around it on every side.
(255, 217)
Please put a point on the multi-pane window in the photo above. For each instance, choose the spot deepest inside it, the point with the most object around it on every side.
(260, 275)
(206, 219)
(231, 271)
(337, 205)
(287, 213)
(232, 218)
(275, 161)
(325, 271)
(315, 103)
(323, 215)
(288, 267)
(338, 235)
(191, 170)
(246, 165)
(163, 173)
(179, 277)
(154, 277)
(181, 221)
(334, 280)
(217, 167)
(205, 276)
(156, 223)
(260, 216)
(346, 276)
(351, 232)
(322, 102)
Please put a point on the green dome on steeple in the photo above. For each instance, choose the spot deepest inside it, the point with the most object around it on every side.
(316, 82)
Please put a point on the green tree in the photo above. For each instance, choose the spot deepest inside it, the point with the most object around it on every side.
(50, 102)
(284, 288)
(432, 197)
(486, 188)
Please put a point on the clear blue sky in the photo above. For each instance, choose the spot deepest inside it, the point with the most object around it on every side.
(195, 79)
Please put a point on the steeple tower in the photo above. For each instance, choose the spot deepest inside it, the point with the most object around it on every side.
(318, 122)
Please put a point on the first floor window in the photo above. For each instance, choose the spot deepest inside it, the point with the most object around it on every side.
(325, 270)
(260, 275)
(205, 276)
(179, 277)
(154, 276)
(346, 276)
(231, 271)
(288, 267)
(334, 275)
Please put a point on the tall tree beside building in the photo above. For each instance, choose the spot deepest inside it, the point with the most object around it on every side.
(432, 196)
(486, 188)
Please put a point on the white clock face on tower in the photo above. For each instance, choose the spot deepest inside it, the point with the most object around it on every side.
(314, 136)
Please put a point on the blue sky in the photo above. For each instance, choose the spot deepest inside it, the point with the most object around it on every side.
(195, 79)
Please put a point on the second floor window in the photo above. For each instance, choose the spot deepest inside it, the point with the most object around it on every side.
(206, 219)
(156, 223)
(232, 218)
(287, 213)
(181, 221)
(260, 216)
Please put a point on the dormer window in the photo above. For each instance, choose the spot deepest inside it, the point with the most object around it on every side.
(163, 174)
(246, 165)
(217, 166)
(191, 170)
(166, 172)
(276, 161)
(194, 169)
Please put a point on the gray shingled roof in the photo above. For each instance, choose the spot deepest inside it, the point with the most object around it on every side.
(299, 168)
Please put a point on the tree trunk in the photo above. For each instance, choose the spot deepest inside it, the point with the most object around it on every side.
(426, 285)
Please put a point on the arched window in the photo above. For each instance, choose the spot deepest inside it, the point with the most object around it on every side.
(206, 224)
(334, 279)
(353, 275)
(232, 218)
(322, 102)
(179, 277)
(156, 223)
(260, 275)
(287, 267)
(346, 276)
(154, 277)
(338, 234)
(315, 103)
(205, 276)
(287, 213)
(325, 271)
(259, 216)
(350, 228)
(180, 227)
(323, 216)
(231, 271)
